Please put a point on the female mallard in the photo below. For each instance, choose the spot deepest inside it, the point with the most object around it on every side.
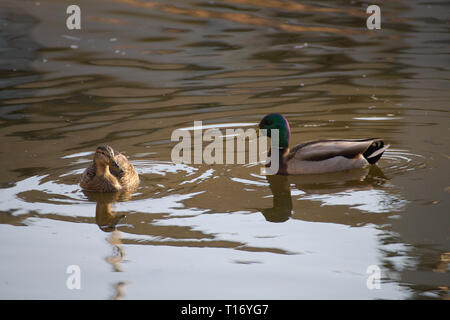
(321, 156)
(109, 172)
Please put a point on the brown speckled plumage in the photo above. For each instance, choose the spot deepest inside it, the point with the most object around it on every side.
(110, 171)
(128, 178)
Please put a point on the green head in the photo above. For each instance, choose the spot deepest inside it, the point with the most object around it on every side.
(277, 121)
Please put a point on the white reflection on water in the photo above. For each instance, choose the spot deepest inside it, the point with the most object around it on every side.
(377, 118)
(16, 199)
(162, 167)
(332, 264)
(79, 154)
(42, 195)
(207, 174)
(218, 125)
(250, 182)
(336, 254)
(374, 200)
(294, 259)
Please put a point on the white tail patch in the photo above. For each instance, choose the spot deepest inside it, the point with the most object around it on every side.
(377, 152)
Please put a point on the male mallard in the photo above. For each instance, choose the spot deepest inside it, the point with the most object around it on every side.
(109, 172)
(321, 156)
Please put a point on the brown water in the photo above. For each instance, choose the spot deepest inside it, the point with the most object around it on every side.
(137, 70)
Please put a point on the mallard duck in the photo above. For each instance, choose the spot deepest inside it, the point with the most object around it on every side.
(125, 172)
(109, 172)
(321, 156)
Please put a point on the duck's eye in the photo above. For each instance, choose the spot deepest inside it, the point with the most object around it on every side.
(269, 122)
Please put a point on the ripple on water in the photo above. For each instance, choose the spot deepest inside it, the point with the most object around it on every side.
(396, 161)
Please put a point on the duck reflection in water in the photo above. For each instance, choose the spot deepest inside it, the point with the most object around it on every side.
(280, 186)
(282, 201)
(105, 217)
(107, 220)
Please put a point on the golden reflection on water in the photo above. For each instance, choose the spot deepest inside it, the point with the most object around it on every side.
(118, 255)
(444, 263)
(119, 290)
(107, 220)
(244, 18)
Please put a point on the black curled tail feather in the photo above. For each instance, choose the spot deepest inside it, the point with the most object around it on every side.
(375, 151)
